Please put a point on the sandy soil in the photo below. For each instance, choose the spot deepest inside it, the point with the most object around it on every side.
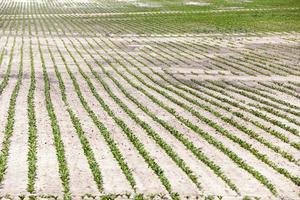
(206, 148)
(143, 174)
(116, 181)
(235, 148)
(185, 57)
(284, 146)
(182, 113)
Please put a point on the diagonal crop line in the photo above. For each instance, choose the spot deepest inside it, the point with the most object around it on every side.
(239, 161)
(242, 143)
(257, 113)
(234, 123)
(249, 132)
(234, 104)
(223, 131)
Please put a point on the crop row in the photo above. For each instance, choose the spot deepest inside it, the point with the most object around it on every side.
(9, 127)
(172, 130)
(219, 128)
(234, 104)
(150, 69)
(206, 100)
(32, 130)
(260, 114)
(228, 120)
(129, 133)
(170, 152)
(103, 130)
(46, 7)
(199, 131)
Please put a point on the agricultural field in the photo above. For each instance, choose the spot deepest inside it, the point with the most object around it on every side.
(149, 99)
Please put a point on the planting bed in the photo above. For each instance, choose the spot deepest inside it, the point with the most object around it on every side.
(114, 100)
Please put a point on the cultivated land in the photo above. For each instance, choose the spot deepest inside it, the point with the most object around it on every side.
(149, 99)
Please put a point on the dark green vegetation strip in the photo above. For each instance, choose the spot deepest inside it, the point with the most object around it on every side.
(239, 21)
